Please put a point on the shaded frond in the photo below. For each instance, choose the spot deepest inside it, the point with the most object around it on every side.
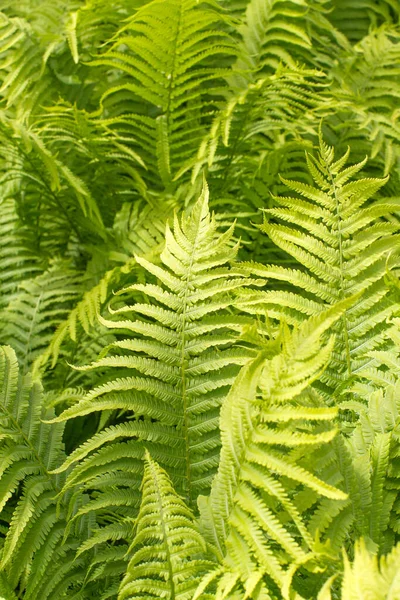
(29, 450)
(164, 59)
(18, 260)
(37, 309)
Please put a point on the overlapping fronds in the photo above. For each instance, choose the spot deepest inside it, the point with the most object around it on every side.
(276, 32)
(18, 259)
(253, 118)
(83, 317)
(167, 548)
(173, 430)
(82, 137)
(30, 40)
(175, 357)
(271, 429)
(367, 89)
(33, 560)
(342, 239)
(355, 18)
(56, 203)
(36, 310)
(368, 459)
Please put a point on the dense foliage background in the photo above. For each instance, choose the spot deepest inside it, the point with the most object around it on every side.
(199, 299)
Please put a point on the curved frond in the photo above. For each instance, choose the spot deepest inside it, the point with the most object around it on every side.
(270, 428)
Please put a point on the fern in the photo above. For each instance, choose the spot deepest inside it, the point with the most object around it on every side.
(341, 241)
(166, 547)
(355, 18)
(18, 259)
(164, 55)
(269, 424)
(172, 372)
(29, 450)
(367, 577)
(29, 321)
(368, 463)
(82, 317)
(172, 430)
(366, 87)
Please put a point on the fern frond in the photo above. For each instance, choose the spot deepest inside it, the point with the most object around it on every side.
(341, 240)
(356, 19)
(36, 310)
(367, 89)
(164, 59)
(167, 547)
(367, 577)
(18, 259)
(368, 462)
(171, 369)
(84, 316)
(29, 450)
(266, 414)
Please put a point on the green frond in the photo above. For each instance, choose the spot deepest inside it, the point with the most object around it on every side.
(18, 260)
(258, 471)
(83, 316)
(30, 450)
(367, 459)
(165, 57)
(37, 309)
(367, 577)
(355, 19)
(168, 550)
(341, 240)
(173, 366)
(253, 117)
(366, 86)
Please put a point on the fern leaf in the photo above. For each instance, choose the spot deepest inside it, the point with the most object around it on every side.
(339, 255)
(240, 518)
(167, 547)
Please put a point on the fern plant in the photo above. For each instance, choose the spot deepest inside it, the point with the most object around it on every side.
(170, 76)
(167, 545)
(367, 577)
(169, 429)
(33, 560)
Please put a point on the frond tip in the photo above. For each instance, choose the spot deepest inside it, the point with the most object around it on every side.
(168, 550)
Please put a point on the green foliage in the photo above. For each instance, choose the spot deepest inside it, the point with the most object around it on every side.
(199, 398)
(30, 449)
(175, 358)
(272, 429)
